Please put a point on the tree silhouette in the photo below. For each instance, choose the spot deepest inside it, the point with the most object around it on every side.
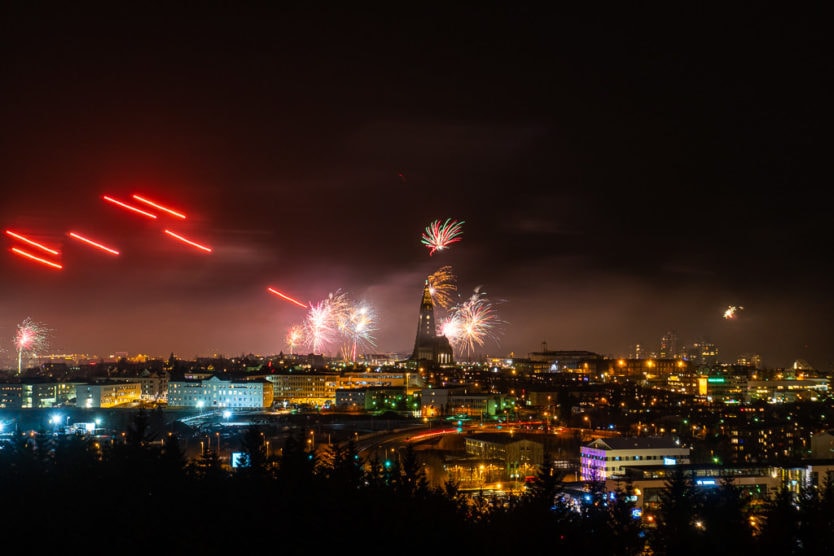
(780, 531)
(679, 527)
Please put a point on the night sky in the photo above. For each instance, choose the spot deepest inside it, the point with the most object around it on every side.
(618, 176)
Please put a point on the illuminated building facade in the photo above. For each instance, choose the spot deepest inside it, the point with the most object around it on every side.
(604, 458)
(107, 394)
(215, 392)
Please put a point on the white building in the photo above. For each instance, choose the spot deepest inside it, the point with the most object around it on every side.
(216, 393)
(604, 458)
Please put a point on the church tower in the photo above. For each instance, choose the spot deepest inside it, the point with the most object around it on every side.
(428, 346)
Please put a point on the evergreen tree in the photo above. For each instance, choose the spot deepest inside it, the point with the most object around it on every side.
(726, 517)
(780, 524)
(679, 528)
(253, 445)
(413, 480)
(626, 534)
(345, 469)
(296, 468)
(816, 518)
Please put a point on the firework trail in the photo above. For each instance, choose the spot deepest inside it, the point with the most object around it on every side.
(159, 207)
(438, 237)
(285, 296)
(30, 338)
(32, 256)
(92, 243)
(187, 241)
(33, 243)
(442, 286)
(128, 207)
(472, 323)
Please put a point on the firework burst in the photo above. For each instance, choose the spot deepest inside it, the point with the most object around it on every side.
(320, 325)
(337, 323)
(295, 337)
(439, 236)
(442, 286)
(732, 312)
(30, 338)
(358, 329)
(471, 323)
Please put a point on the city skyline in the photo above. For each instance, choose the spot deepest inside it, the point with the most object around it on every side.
(611, 179)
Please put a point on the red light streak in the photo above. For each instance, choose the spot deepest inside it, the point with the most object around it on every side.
(30, 256)
(129, 207)
(159, 207)
(188, 241)
(32, 243)
(288, 298)
(93, 243)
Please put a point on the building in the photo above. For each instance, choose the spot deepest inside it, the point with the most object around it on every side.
(312, 388)
(604, 458)
(567, 361)
(430, 348)
(445, 402)
(154, 386)
(521, 457)
(32, 393)
(216, 393)
(760, 481)
(822, 445)
(377, 399)
(107, 394)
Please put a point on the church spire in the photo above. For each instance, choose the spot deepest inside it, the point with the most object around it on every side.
(425, 325)
(428, 345)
